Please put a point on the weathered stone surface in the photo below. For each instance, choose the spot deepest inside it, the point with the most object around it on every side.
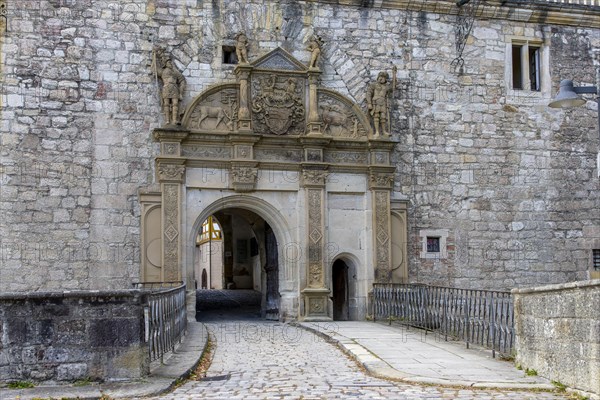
(513, 182)
(558, 333)
(55, 336)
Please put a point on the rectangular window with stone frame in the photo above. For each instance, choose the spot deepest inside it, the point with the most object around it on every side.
(526, 65)
(527, 70)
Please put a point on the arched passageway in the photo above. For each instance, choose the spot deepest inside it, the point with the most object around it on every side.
(237, 250)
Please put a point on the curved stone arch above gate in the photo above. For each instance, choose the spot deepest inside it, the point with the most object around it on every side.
(265, 210)
(215, 109)
(276, 95)
(341, 117)
(261, 207)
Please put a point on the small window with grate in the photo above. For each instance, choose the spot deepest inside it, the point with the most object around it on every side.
(596, 259)
(433, 244)
(229, 55)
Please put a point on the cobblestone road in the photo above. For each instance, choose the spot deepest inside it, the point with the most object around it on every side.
(257, 359)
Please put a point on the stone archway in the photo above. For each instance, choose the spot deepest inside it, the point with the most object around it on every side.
(303, 157)
(244, 219)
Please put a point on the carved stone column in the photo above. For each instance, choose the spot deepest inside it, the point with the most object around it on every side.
(170, 175)
(316, 295)
(170, 170)
(244, 120)
(314, 124)
(380, 183)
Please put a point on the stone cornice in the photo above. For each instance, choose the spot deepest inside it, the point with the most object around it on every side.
(530, 11)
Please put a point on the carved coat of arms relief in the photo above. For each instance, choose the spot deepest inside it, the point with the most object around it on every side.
(278, 104)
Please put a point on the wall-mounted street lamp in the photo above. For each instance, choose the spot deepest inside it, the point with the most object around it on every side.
(568, 96)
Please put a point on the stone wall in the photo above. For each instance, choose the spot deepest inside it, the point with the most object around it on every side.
(558, 333)
(68, 336)
(511, 182)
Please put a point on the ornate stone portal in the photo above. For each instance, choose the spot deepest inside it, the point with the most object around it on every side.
(276, 137)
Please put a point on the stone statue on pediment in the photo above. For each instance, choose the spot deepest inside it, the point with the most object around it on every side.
(173, 86)
(378, 95)
(314, 46)
(241, 48)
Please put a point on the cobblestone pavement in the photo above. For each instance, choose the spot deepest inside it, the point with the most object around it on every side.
(256, 359)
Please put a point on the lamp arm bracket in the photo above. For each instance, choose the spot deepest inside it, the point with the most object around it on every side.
(585, 89)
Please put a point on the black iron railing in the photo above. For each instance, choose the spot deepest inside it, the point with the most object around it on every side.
(166, 320)
(481, 317)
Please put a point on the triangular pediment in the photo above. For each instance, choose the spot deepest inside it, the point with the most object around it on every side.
(279, 59)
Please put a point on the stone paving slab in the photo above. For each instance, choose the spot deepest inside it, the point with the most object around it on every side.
(413, 355)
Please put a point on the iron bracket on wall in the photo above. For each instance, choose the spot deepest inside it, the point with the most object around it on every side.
(464, 23)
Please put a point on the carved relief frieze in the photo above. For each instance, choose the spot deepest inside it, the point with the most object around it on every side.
(243, 151)
(313, 177)
(316, 305)
(276, 154)
(171, 233)
(314, 155)
(380, 157)
(382, 235)
(206, 152)
(345, 157)
(315, 238)
(278, 104)
(243, 178)
(170, 149)
(381, 180)
(339, 119)
(217, 112)
(170, 172)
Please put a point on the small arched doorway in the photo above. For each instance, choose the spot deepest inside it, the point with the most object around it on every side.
(204, 279)
(340, 290)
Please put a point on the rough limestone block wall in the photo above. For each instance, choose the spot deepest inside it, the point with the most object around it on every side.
(511, 181)
(558, 333)
(54, 336)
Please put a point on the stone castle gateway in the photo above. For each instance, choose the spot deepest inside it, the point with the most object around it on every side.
(478, 184)
(352, 142)
(303, 158)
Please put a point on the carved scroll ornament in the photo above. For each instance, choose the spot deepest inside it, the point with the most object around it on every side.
(381, 180)
(314, 177)
(171, 172)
